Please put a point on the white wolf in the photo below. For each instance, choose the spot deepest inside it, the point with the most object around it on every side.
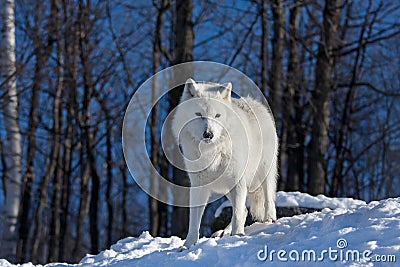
(230, 147)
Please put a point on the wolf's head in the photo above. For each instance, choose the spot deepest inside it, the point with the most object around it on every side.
(205, 109)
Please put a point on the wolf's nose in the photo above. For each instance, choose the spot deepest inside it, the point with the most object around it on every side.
(208, 135)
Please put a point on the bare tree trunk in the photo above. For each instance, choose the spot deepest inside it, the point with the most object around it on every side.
(12, 151)
(154, 215)
(183, 52)
(65, 195)
(42, 54)
(55, 205)
(291, 113)
(124, 215)
(277, 80)
(54, 159)
(89, 149)
(110, 209)
(83, 207)
(163, 225)
(277, 51)
(264, 46)
(72, 52)
(71, 57)
(94, 199)
(66, 159)
(56, 210)
(88, 135)
(345, 129)
(109, 164)
(321, 99)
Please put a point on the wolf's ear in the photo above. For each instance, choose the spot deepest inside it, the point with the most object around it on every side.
(226, 90)
(191, 87)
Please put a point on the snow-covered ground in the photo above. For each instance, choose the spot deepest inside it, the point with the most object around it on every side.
(346, 232)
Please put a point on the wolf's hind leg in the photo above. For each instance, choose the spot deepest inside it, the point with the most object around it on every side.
(269, 188)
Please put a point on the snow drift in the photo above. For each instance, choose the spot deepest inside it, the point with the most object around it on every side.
(346, 231)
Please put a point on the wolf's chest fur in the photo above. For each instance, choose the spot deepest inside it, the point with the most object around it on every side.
(219, 156)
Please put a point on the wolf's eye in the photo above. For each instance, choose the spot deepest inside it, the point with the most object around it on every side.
(198, 114)
(217, 115)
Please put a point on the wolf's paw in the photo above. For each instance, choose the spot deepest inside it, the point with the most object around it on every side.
(182, 248)
(221, 233)
(238, 234)
(190, 241)
(270, 219)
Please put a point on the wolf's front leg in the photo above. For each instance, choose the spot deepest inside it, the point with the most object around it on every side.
(198, 200)
(238, 199)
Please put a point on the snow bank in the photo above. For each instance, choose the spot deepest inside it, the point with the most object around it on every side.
(362, 235)
(297, 199)
(374, 227)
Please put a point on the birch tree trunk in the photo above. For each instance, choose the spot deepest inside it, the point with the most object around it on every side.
(12, 152)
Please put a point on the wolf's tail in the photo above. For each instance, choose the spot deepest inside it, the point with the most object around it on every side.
(257, 200)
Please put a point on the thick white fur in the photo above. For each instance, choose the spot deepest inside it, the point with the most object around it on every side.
(240, 160)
